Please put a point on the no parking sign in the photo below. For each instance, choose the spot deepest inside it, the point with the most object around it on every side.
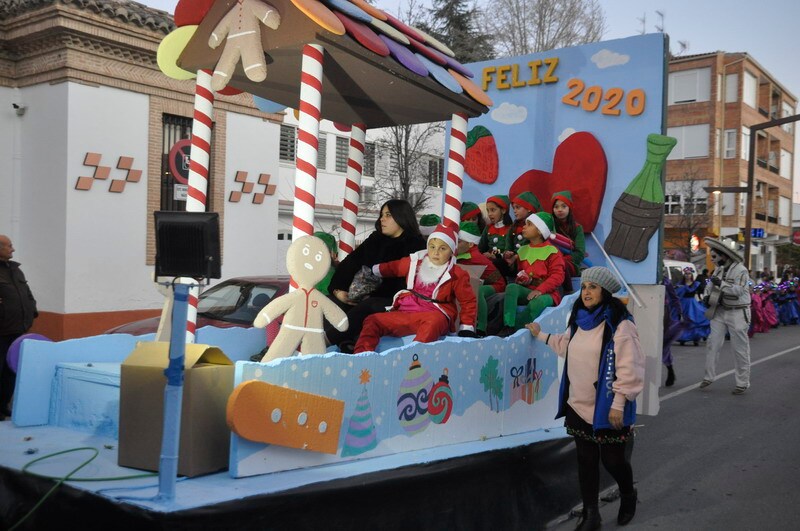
(179, 160)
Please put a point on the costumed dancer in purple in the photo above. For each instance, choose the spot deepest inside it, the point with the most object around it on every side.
(769, 306)
(673, 327)
(787, 304)
(697, 325)
(758, 323)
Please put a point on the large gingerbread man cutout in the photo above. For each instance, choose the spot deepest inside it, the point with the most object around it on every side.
(308, 261)
(242, 27)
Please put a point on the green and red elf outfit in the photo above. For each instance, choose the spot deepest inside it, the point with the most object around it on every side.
(493, 238)
(515, 240)
(493, 280)
(572, 230)
(541, 269)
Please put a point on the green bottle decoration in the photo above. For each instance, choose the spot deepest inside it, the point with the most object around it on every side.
(639, 210)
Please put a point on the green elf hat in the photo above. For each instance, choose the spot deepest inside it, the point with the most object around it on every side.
(329, 239)
(529, 201)
(544, 222)
(500, 200)
(427, 223)
(565, 196)
(469, 210)
(468, 231)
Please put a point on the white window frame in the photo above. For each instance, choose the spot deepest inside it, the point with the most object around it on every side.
(731, 88)
(784, 211)
(689, 86)
(786, 164)
(745, 143)
(673, 204)
(787, 110)
(692, 141)
(750, 90)
(730, 143)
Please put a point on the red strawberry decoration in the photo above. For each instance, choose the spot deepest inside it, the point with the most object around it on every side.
(191, 12)
(482, 162)
(580, 166)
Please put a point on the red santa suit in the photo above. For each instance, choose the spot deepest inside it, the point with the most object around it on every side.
(427, 310)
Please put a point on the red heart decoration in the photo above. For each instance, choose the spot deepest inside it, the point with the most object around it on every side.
(580, 166)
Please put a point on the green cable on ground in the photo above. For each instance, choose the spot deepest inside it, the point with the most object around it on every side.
(68, 477)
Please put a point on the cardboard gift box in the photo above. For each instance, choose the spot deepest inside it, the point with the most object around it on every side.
(204, 434)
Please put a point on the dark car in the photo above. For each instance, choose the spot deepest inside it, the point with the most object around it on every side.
(234, 302)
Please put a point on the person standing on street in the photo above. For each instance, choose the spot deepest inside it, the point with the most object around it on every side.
(728, 296)
(17, 312)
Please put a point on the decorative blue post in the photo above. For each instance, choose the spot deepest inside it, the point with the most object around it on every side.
(173, 396)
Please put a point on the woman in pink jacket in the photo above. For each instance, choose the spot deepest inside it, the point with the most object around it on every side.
(603, 374)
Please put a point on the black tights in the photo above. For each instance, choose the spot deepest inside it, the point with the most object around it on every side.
(613, 456)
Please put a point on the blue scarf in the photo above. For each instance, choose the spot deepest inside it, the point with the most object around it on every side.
(589, 320)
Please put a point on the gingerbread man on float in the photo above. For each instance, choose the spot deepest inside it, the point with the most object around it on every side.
(242, 27)
(308, 261)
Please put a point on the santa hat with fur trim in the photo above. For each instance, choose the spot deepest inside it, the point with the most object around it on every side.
(427, 223)
(544, 222)
(447, 234)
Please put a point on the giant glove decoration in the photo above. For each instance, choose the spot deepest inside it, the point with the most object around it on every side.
(242, 27)
(308, 261)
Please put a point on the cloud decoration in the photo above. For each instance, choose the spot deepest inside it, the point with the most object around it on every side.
(606, 58)
(508, 113)
(566, 133)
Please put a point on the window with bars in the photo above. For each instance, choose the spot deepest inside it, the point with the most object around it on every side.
(322, 151)
(436, 172)
(369, 160)
(342, 148)
(288, 143)
(176, 144)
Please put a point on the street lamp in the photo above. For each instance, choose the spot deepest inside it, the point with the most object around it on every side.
(717, 190)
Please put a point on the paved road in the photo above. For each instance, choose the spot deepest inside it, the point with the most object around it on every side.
(713, 461)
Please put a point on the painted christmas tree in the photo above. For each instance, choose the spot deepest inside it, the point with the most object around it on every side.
(361, 430)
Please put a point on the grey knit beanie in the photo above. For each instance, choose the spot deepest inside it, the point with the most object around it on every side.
(603, 277)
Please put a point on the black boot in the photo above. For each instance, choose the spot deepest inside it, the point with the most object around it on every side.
(590, 519)
(670, 376)
(627, 507)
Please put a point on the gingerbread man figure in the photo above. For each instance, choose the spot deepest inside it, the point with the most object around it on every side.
(308, 261)
(242, 27)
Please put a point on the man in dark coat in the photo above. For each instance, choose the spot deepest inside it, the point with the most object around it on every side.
(17, 312)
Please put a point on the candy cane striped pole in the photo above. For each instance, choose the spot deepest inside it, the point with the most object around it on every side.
(199, 156)
(355, 168)
(305, 175)
(455, 169)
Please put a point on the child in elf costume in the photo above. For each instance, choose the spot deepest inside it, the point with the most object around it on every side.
(567, 226)
(541, 272)
(467, 253)
(472, 212)
(493, 239)
(524, 205)
(427, 307)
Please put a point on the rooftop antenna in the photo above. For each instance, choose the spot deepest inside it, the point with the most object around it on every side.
(684, 46)
(660, 27)
(643, 20)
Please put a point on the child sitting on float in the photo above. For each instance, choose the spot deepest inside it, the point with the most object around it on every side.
(427, 307)
(467, 253)
(541, 273)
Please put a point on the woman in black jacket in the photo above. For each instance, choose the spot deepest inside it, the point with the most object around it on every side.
(396, 236)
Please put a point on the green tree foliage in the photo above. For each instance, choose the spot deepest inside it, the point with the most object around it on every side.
(492, 382)
(457, 24)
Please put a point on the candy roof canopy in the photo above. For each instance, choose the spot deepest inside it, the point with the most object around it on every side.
(359, 86)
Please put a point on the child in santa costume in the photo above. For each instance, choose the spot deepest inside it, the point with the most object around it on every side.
(467, 253)
(541, 273)
(427, 307)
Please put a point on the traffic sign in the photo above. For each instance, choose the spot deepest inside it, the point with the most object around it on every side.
(179, 160)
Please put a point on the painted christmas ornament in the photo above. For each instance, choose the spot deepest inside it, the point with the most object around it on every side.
(360, 429)
(441, 402)
(412, 398)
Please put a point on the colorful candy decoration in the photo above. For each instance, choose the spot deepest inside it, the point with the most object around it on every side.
(455, 169)
(412, 399)
(440, 405)
(355, 163)
(360, 436)
(482, 161)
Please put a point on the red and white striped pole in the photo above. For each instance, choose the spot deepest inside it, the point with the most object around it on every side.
(355, 169)
(199, 156)
(455, 169)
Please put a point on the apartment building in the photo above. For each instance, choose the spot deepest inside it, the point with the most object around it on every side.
(713, 100)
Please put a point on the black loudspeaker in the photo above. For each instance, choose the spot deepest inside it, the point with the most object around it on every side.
(187, 244)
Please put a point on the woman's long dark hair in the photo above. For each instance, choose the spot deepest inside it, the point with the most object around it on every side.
(618, 310)
(403, 215)
(568, 227)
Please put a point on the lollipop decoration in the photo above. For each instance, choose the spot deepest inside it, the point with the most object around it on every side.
(441, 400)
(412, 400)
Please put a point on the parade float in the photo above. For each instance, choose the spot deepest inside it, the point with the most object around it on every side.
(458, 433)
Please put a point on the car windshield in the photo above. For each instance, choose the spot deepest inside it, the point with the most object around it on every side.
(238, 302)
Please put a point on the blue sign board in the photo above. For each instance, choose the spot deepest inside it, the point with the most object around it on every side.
(756, 233)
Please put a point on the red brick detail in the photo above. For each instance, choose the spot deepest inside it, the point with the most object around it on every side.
(92, 159)
(117, 186)
(235, 197)
(134, 176)
(84, 183)
(125, 163)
